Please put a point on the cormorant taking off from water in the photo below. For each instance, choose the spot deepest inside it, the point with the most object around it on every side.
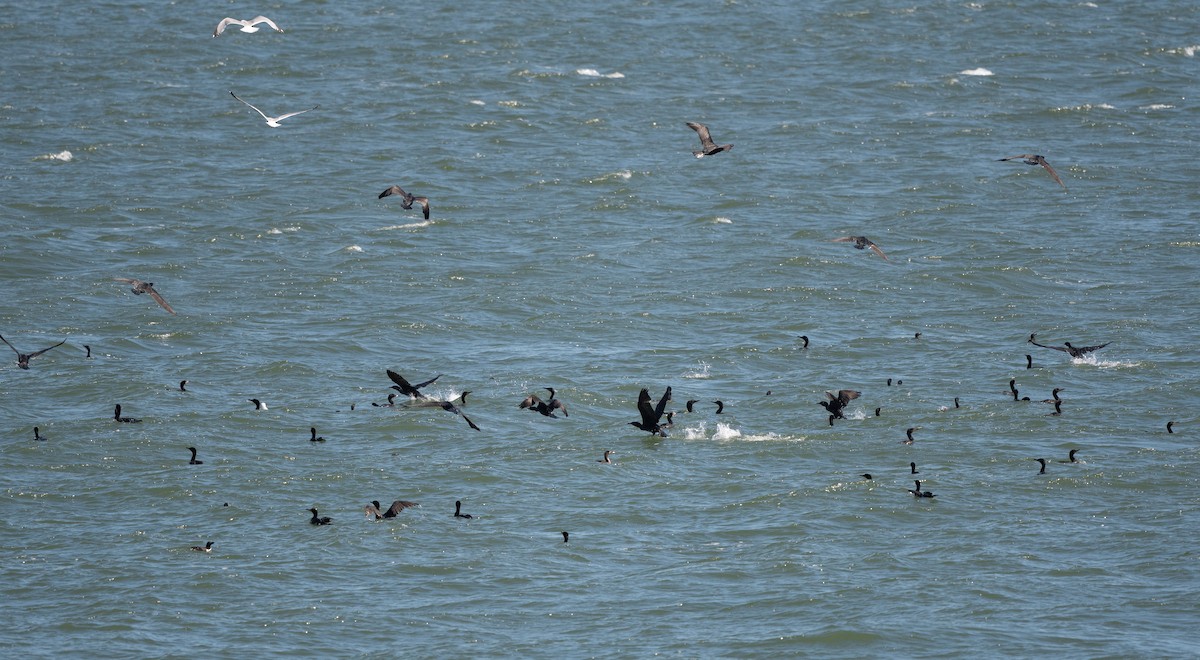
(1075, 352)
(651, 414)
(707, 146)
(23, 359)
(406, 200)
(397, 506)
(546, 408)
(1034, 159)
(861, 243)
(838, 401)
(407, 389)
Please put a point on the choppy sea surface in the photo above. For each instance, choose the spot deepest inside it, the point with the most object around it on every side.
(575, 243)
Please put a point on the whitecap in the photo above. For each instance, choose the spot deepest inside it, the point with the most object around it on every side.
(592, 73)
(721, 220)
(701, 373)
(352, 248)
(976, 72)
(1092, 360)
(477, 102)
(63, 156)
(411, 225)
(1157, 106)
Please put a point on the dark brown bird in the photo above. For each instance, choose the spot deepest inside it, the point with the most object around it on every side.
(194, 460)
(37, 434)
(1043, 462)
(1169, 425)
(861, 243)
(566, 537)
(406, 200)
(838, 401)
(207, 547)
(458, 510)
(909, 440)
(805, 338)
(1071, 457)
(319, 520)
(140, 287)
(23, 358)
(394, 510)
(1073, 351)
(606, 458)
(707, 146)
(315, 437)
(651, 414)
(1034, 159)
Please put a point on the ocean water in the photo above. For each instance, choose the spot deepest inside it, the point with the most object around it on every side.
(575, 243)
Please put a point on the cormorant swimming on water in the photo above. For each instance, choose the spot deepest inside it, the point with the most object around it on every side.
(458, 510)
(319, 520)
(194, 461)
(128, 420)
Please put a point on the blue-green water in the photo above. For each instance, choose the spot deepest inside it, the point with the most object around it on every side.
(575, 243)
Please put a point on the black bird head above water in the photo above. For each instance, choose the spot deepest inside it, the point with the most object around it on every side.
(194, 461)
(89, 351)
(917, 492)
(1071, 457)
(24, 358)
(1035, 159)
(866, 475)
(1028, 361)
(258, 405)
(805, 338)
(690, 403)
(606, 458)
(406, 200)
(566, 537)
(140, 287)
(458, 510)
(913, 468)
(908, 433)
(720, 407)
(1169, 425)
(37, 434)
(1043, 462)
(651, 414)
(861, 243)
(183, 385)
(207, 547)
(707, 146)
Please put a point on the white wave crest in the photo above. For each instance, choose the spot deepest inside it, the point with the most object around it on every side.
(976, 72)
(62, 156)
(592, 73)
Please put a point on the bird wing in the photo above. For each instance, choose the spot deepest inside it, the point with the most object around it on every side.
(1057, 348)
(424, 202)
(846, 396)
(33, 355)
(705, 137)
(1085, 349)
(446, 405)
(263, 19)
(529, 402)
(260, 112)
(398, 506)
(1042, 161)
(159, 299)
(372, 510)
(645, 408)
(555, 403)
(14, 348)
(1020, 157)
(394, 190)
(127, 280)
(876, 250)
(845, 239)
(428, 382)
(293, 114)
(662, 405)
(224, 23)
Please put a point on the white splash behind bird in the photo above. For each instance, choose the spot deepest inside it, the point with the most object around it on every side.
(273, 122)
(245, 26)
